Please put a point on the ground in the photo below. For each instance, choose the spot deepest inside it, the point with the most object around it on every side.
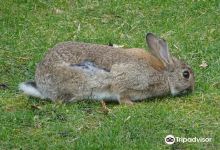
(29, 28)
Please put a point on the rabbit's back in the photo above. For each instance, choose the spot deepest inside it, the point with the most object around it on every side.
(75, 53)
(102, 55)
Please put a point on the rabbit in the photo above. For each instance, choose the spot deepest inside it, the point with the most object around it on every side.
(74, 71)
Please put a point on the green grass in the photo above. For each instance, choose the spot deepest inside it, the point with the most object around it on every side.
(29, 28)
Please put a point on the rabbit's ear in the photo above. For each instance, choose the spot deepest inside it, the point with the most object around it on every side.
(159, 49)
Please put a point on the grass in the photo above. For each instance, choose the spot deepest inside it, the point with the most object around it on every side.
(29, 28)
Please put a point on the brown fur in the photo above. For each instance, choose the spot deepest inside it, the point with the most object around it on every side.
(150, 59)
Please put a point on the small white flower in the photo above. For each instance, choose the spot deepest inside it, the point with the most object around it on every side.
(203, 64)
(117, 46)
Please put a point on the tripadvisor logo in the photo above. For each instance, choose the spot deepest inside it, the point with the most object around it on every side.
(170, 139)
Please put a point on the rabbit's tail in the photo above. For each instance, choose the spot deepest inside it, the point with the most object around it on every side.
(30, 88)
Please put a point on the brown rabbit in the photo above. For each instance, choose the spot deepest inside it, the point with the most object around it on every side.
(74, 71)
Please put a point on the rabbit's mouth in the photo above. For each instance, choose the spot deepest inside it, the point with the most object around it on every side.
(185, 91)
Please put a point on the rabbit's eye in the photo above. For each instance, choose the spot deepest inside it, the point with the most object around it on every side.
(186, 74)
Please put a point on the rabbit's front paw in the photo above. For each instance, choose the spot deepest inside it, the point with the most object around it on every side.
(126, 101)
